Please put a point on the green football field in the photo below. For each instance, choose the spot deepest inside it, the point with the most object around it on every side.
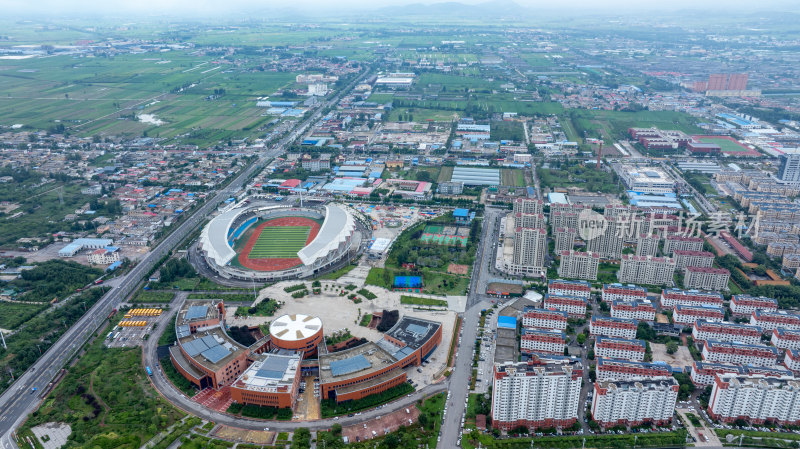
(280, 242)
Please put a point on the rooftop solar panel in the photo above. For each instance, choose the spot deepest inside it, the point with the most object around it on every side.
(183, 331)
(195, 312)
(194, 347)
(216, 353)
(351, 365)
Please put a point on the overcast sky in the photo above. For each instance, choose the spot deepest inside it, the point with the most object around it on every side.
(216, 7)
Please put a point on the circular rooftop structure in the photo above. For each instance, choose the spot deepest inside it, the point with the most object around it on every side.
(296, 332)
(295, 327)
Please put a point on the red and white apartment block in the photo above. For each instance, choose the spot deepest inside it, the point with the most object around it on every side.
(745, 304)
(613, 327)
(703, 373)
(616, 369)
(672, 296)
(619, 292)
(547, 341)
(544, 318)
(773, 320)
(732, 352)
(714, 279)
(634, 310)
(682, 314)
(620, 348)
(562, 287)
(785, 338)
(792, 361)
(575, 306)
(724, 331)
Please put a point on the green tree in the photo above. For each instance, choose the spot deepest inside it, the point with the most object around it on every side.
(672, 347)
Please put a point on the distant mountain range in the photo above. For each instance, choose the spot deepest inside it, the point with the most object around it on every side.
(497, 9)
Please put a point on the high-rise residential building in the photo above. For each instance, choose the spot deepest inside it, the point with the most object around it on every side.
(564, 287)
(529, 220)
(536, 395)
(755, 399)
(687, 315)
(630, 403)
(573, 305)
(683, 259)
(578, 265)
(789, 169)
(564, 219)
(724, 331)
(737, 81)
(618, 369)
(530, 248)
(528, 206)
(646, 270)
(717, 81)
(620, 348)
(744, 354)
(564, 239)
(715, 279)
(647, 245)
(634, 310)
(674, 243)
(672, 296)
(608, 244)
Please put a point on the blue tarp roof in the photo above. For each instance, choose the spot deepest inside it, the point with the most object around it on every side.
(506, 322)
(461, 213)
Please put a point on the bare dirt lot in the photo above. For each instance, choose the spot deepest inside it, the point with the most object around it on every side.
(681, 358)
(381, 426)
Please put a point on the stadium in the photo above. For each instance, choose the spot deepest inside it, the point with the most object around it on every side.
(267, 242)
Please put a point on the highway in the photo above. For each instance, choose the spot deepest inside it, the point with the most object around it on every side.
(19, 400)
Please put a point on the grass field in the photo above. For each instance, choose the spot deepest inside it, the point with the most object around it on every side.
(104, 96)
(280, 242)
(725, 144)
(512, 177)
(413, 300)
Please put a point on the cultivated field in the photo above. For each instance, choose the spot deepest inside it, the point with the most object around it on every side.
(281, 242)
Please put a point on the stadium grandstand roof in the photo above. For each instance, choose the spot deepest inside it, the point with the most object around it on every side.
(338, 226)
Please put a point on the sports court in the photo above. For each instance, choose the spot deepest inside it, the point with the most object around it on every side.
(448, 235)
(273, 244)
(728, 145)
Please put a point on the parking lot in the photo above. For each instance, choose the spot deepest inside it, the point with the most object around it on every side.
(130, 336)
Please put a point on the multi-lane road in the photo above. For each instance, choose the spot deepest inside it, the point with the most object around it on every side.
(20, 399)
